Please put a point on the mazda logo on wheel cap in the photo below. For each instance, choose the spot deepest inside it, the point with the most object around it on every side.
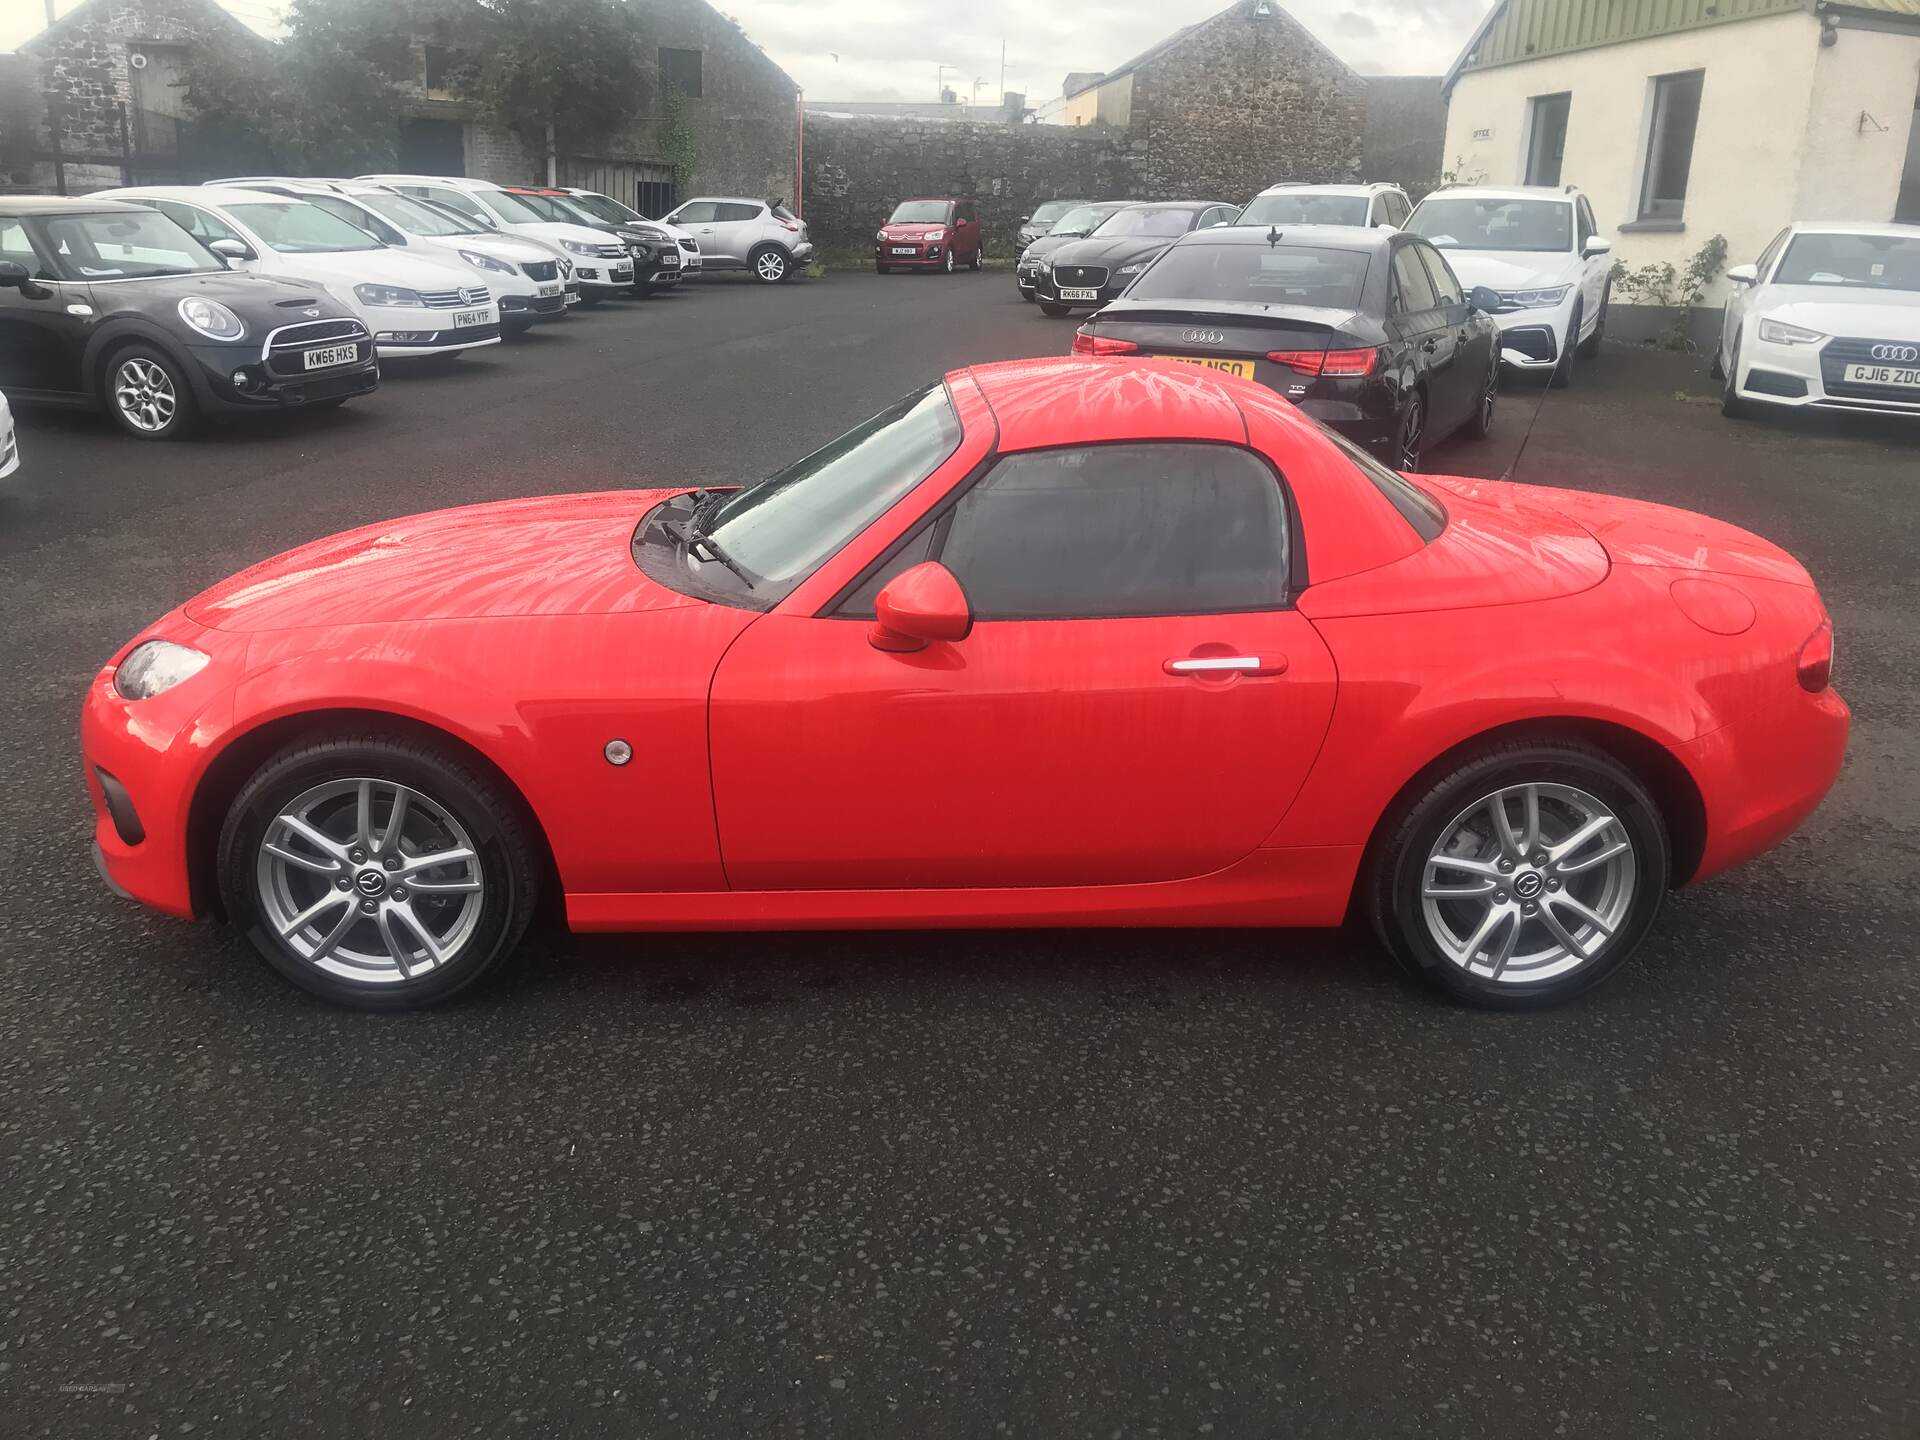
(1201, 337)
(1528, 885)
(1901, 353)
(371, 882)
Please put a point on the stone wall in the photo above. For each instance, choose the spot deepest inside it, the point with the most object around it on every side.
(858, 169)
(1406, 132)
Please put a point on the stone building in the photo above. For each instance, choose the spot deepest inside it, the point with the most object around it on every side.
(94, 100)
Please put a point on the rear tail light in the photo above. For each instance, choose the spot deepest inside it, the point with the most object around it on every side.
(789, 225)
(1085, 344)
(1326, 362)
(1816, 660)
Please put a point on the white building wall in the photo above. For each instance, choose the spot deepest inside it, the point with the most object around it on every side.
(1748, 151)
(1850, 168)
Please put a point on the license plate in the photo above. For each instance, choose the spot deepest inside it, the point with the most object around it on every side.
(1242, 368)
(464, 318)
(1884, 375)
(1078, 292)
(905, 250)
(573, 297)
(671, 260)
(622, 272)
(549, 290)
(331, 355)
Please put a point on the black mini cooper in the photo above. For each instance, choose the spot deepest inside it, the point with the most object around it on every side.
(114, 306)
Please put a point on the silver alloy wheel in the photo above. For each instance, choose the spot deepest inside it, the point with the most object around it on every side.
(1411, 429)
(370, 881)
(949, 261)
(143, 392)
(771, 265)
(1528, 883)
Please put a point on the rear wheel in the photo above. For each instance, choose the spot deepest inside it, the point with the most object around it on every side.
(769, 264)
(148, 394)
(377, 873)
(1481, 425)
(979, 258)
(1522, 876)
(1409, 446)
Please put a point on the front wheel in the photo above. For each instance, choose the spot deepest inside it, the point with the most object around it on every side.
(770, 265)
(1590, 347)
(1731, 404)
(148, 394)
(1569, 348)
(1521, 877)
(377, 873)
(1056, 311)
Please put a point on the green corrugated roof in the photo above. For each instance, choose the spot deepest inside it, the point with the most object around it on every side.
(1885, 7)
(1519, 30)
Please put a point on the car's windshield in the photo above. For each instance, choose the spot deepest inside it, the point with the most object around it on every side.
(780, 530)
(1485, 222)
(1080, 219)
(418, 218)
(919, 212)
(1145, 222)
(296, 228)
(123, 247)
(604, 207)
(1858, 262)
(552, 207)
(1259, 274)
(1050, 212)
(1305, 208)
(508, 209)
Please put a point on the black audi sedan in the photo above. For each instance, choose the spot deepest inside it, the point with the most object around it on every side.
(115, 307)
(1367, 331)
(1090, 272)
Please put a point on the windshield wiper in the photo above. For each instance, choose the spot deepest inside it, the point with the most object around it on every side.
(703, 546)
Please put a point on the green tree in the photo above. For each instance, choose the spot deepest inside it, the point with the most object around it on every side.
(306, 106)
(566, 68)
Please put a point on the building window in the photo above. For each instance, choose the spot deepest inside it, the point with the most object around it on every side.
(1676, 114)
(680, 69)
(437, 63)
(1547, 137)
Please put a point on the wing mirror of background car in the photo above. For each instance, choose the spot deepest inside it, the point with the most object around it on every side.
(1484, 298)
(1597, 245)
(231, 250)
(1744, 274)
(13, 275)
(919, 606)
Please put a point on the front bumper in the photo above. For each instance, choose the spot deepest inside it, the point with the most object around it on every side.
(1047, 291)
(214, 367)
(603, 275)
(1534, 339)
(660, 273)
(920, 256)
(532, 309)
(1814, 376)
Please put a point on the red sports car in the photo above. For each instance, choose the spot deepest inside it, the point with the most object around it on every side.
(1058, 642)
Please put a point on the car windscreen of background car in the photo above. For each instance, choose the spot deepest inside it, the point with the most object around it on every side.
(782, 528)
(1049, 212)
(1289, 275)
(1145, 222)
(296, 228)
(1079, 220)
(508, 209)
(416, 218)
(919, 212)
(1472, 223)
(124, 247)
(1305, 210)
(603, 208)
(1865, 262)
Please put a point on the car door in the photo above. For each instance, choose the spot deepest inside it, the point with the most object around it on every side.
(40, 341)
(966, 233)
(737, 226)
(1463, 358)
(698, 217)
(1414, 320)
(1136, 701)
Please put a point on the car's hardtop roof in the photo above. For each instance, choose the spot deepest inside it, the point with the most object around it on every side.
(210, 194)
(1855, 227)
(457, 182)
(936, 199)
(24, 205)
(1173, 204)
(1505, 192)
(1352, 187)
(1300, 234)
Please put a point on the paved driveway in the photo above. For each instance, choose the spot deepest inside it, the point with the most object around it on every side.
(1130, 1183)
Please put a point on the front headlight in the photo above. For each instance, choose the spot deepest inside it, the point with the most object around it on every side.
(879, 234)
(576, 248)
(1778, 332)
(155, 667)
(1535, 299)
(566, 268)
(486, 262)
(210, 318)
(936, 235)
(386, 295)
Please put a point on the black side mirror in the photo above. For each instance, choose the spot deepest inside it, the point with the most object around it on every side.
(1484, 299)
(14, 276)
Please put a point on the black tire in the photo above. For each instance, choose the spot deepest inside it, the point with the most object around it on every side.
(880, 269)
(332, 402)
(589, 298)
(1410, 435)
(1055, 311)
(507, 866)
(1481, 425)
(979, 258)
(1392, 896)
(946, 262)
(769, 264)
(158, 401)
(1027, 295)
(1590, 347)
(1563, 372)
(516, 329)
(1731, 404)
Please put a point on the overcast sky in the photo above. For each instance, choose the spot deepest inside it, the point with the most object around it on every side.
(893, 50)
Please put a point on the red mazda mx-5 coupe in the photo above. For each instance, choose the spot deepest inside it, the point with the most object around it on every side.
(1057, 642)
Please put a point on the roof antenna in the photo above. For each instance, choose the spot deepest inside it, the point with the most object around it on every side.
(1273, 235)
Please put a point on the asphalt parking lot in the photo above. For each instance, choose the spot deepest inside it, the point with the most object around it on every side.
(1043, 1184)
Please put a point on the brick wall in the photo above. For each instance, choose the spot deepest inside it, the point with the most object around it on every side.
(498, 155)
(1406, 131)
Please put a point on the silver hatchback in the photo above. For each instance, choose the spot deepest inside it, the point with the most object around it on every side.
(759, 236)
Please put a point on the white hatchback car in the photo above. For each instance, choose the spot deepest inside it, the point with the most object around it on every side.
(601, 264)
(414, 306)
(1829, 316)
(1541, 250)
(1373, 206)
(524, 275)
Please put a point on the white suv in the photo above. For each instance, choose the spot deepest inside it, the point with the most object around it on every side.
(524, 275)
(1372, 206)
(614, 213)
(601, 264)
(413, 306)
(1540, 249)
(761, 236)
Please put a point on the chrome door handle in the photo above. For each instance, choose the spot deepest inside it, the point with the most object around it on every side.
(1227, 665)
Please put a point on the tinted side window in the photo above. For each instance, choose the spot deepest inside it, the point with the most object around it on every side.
(1117, 530)
(1446, 288)
(1412, 291)
(1770, 254)
(1398, 209)
(698, 212)
(1585, 218)
(16, 248)
(737, 212)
